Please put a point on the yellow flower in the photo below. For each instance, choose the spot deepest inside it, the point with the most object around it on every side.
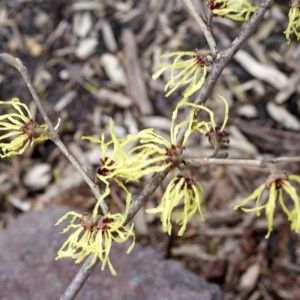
(294, 21)
(184, 191)
(276, 185)
(120, 161)
(20, 126)
(120, 158)
(166, 151)
(211, 125)
(189, 68)
(94, 235)
(217, 136)
(169, 151)
(237, 10)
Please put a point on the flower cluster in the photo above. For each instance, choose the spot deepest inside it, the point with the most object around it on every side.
(181, 190)
(184, 193)
(294, 21)
(146, 152)
(94, 235)
(117, 161)
(188, 70)
(237, 10)
(116, 164)
(19, 128)
(276, 186)
(128, 159)
(166, 151)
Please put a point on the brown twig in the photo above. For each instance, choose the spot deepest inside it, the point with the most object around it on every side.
(80, 278)
(17, 63)
(205, 29)
(226, 55)
(142, 198)
(259, 163)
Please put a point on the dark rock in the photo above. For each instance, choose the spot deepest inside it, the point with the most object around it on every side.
(28, 269)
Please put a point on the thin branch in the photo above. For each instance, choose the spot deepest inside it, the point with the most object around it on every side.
(225, 56)
(246, 30)
(259, 163)
(205, 29)
(142, 198)
(17, 63)
(79, 280)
